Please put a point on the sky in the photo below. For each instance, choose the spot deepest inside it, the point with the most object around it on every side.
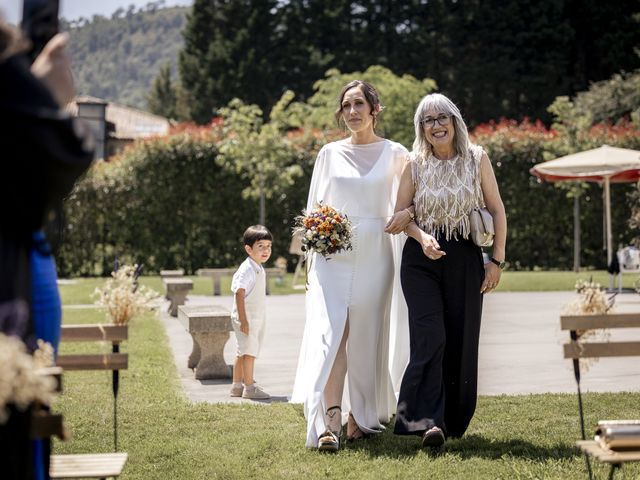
(11, 10)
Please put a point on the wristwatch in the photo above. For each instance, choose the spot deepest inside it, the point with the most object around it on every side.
(498, 263)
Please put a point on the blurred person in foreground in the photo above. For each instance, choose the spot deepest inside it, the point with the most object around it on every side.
(43, 151)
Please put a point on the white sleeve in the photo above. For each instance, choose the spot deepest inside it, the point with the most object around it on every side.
(245, 278)
(316, 188)
(398, 320)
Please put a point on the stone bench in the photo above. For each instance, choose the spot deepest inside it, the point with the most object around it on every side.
(171, 273)
(277, 273)
(176, 291)
(209, 326)
(217, 273)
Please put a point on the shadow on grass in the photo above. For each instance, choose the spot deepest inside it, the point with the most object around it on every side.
(389, 445)
(472, 446)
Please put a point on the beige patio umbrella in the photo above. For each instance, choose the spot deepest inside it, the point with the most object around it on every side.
(605, 165)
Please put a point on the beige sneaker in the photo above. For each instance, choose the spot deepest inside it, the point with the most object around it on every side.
(254, 392)
(236, 390)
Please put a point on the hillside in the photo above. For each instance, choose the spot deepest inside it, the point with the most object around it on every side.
(117, 58)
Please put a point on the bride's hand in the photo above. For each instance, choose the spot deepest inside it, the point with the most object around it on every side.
(431, 247)
(398, 222)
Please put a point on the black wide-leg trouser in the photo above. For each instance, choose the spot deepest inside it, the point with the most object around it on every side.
(439, 387)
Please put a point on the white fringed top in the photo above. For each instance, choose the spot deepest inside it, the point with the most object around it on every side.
(446, 191)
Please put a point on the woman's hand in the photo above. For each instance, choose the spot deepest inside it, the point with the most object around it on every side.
(398, 222)
(491, 277)
(53, 68)
(430, 246)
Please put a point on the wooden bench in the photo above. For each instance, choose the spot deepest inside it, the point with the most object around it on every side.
(94, 361)
(44, 423)
(576, 349)
(216, 275)
(209, 326)
(99, 465)
(176, 291)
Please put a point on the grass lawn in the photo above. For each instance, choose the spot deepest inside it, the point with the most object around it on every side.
(167, 437)
(79, 292)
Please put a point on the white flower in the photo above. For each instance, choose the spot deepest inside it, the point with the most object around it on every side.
(20, 383)
(120, 296)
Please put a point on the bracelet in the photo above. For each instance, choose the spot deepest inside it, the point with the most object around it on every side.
(411, 215)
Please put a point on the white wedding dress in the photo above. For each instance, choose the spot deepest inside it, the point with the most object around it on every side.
(360, 285)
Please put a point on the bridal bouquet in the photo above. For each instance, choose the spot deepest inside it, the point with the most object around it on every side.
(324, 230)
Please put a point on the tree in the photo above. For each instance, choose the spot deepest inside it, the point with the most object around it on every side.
(613, 100)
(118, 58)
(258, 150)
(493, 58)
(161, 100)
(605, 40)
(231, 51)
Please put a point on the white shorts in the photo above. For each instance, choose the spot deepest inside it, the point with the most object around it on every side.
(252, 343)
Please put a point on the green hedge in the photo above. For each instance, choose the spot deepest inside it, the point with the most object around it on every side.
(540, 215)
(169, 203)
(164, 203)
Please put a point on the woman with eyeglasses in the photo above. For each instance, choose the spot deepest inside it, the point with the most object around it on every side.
(443, 274)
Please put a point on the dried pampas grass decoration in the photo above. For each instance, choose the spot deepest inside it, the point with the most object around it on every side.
(122, 297)
(20, 383)
(592, 300)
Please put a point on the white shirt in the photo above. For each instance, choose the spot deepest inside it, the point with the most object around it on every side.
(245, 277)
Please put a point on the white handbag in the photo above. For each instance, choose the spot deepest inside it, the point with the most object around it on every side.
(481, 227)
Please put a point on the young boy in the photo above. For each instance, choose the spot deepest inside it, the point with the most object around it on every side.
(248, 314)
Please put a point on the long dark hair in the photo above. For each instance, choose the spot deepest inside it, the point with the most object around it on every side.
(370, 94)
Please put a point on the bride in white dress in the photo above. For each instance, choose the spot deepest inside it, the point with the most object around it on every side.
(350, 295)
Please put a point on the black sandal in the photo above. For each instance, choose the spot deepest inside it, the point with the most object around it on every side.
(329, 441)
(433, 438)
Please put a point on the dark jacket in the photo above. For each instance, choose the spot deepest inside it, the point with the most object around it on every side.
(43, 151)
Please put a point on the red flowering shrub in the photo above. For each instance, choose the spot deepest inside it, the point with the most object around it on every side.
(540, 215)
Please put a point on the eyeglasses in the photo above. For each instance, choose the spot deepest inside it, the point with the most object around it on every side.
(430, 122)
